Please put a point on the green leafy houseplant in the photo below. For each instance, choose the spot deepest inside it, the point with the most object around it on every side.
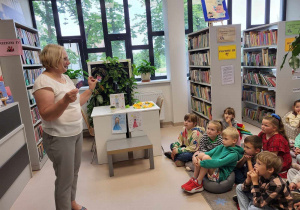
(115, 79)
(295, 49)
(143, 69)
(74, 74)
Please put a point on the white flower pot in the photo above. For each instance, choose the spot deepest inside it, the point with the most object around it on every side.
(75, 81)
(146, 77)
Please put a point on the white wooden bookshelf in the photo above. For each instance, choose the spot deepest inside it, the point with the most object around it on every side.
(253, 111)
(12, 69)
(221, 96)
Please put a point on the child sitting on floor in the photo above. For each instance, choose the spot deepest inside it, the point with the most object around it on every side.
(217, 163)
(188, 141)
(294, 117)
(228, 118)
(264, 188)
(293, 177)
(210, 139)
(275, 140)
(252, 146)
(297, 151)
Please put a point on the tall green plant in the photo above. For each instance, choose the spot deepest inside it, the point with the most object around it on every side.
(115, 79)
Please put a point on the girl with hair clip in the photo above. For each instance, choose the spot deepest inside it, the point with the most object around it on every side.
(275, 140)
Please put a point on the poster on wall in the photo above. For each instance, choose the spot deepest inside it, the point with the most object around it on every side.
(292, 28)
(226, 34)
(227, 52)
(288, 42)
(214, 10)
(11, 9)
(227, 75)
(119, 123)
(135, 121)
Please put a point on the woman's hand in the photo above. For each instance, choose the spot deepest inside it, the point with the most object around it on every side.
(92, 83)
(71, 96)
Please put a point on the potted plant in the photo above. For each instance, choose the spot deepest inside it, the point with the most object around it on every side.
(294, 62)
(145, 69)
(74, 75)
(112, 108)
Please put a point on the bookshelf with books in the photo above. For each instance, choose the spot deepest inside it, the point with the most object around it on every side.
(208, 100)
(266, 89)
(19, 73)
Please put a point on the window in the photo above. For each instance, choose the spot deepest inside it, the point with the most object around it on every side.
(274, 11)
(258, 8)
(238, 13)
(100, 28)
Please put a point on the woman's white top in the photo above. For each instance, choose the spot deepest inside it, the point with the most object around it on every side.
(70, 122)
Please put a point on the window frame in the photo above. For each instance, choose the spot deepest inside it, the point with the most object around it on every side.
(81, 39)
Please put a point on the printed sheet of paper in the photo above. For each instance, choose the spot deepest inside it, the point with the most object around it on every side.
(227, 75)
(119, 123)
(117, 100)
(227, 52)
(135, 121)
(226, 34)
(10, 47)
(288, 42)
(292, 28)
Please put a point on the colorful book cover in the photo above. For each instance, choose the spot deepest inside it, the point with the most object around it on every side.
(135, 121)
(214, 10)
(117, 100)
(9, 95)
(3, 92)
(1, 75)
(119, 124)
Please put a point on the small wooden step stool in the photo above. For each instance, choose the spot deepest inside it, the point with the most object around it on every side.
(129, 145)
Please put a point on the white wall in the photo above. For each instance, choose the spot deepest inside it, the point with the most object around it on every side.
(292, 10)
(26, 12)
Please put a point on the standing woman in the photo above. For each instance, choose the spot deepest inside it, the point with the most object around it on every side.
(59, 104)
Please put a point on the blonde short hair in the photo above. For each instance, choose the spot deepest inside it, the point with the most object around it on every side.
(271, 160)
(217, 123)
(232, 132)
(51, 55)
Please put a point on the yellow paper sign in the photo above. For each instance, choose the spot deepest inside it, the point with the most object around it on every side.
(227, 52)
(288, 42)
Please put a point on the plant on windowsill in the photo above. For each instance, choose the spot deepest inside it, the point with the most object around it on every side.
(145, 70)
(294, 61)
(74, 75)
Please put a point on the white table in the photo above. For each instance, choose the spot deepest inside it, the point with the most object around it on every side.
(102, 117)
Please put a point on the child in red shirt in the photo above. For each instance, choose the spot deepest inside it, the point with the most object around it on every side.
(275, 140)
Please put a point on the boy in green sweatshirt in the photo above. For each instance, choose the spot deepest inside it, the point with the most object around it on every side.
(217, 163)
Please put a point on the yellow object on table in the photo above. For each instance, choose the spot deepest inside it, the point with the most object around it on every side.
(143, 105)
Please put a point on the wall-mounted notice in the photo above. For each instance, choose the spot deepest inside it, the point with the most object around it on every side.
(227, 75)
(227, 52)
(226, 34)
(10, 47)
(296, 90)
(292, 28)
(288, 42)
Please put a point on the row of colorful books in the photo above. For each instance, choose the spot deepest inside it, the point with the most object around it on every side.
(28, 38)
(200, 76)
(202, 122)
(259, 59)
(30, 57)
(31, 74)
(256, 115)
(266, 98)
(200, 59)
(259, 79)
(41, 151)
(202, 107)
(201, 92)
(260, 38)
(199, 41)
(35, 115)
(38, 133)
(249, 96)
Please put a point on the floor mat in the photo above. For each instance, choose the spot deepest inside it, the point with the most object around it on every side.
(219, 201)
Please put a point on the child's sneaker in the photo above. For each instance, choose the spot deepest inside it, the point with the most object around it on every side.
(234, 198)
(179, 163)
(194, 187)
(188, 183)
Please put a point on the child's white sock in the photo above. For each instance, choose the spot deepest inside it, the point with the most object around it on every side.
(199, 181)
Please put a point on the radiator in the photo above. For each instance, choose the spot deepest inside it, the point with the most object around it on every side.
(151, 96)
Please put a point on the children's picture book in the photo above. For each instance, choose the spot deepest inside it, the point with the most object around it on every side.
(3, 92)
(135, 121)
(117, 100)
(1, 75)
(214, 10)
(9, 95)
(119, 124)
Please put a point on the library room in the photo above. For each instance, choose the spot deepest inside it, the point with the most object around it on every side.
(149, 104)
